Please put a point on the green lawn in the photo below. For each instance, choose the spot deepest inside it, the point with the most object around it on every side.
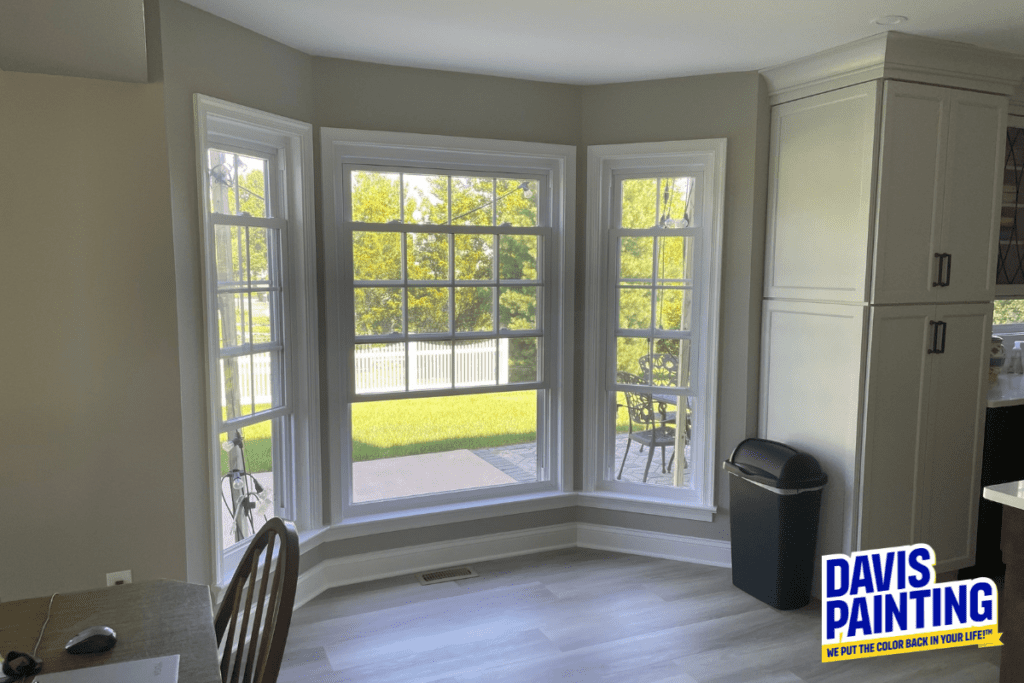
(257, 447)
(389, 429)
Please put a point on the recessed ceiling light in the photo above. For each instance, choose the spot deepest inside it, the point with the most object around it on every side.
(889, 20)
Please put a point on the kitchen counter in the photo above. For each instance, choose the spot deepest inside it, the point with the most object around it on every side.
(1007, 391)
(1001, 462)
(1011, 493)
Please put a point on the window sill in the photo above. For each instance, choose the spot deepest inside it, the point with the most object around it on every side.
(445, 514)
(499, 507)
(476, 510)
(615, 501)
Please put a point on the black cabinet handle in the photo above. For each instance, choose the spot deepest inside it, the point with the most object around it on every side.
(938, 336)
(945, 259)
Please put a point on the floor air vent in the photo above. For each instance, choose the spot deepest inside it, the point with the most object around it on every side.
(442, 575)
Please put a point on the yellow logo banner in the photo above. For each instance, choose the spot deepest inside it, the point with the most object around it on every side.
(988, 636)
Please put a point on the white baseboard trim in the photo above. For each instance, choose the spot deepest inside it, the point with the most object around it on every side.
(654, 544)
(343, 571)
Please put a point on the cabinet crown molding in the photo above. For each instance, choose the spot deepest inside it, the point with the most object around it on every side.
(899, 56)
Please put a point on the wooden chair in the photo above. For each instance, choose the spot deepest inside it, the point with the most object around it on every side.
(643, 415)
(251, 634)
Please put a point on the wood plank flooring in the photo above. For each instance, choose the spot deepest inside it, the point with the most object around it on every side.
(583, 616)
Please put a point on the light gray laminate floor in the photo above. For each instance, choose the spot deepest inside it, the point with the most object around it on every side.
(583, 615)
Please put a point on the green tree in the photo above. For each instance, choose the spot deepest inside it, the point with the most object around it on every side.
(1008, 312)
(439, 200)
(654, 270)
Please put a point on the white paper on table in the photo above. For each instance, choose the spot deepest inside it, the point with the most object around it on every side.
(155, 670)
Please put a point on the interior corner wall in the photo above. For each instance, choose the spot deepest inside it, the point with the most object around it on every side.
(208, 55)
(732, 106)
(91, 428)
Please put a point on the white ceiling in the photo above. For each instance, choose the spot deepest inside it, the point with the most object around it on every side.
(607, 41)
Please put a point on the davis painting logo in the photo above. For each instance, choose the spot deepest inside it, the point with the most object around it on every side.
(884, 602)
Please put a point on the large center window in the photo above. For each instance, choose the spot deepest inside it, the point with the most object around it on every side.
(448, 329)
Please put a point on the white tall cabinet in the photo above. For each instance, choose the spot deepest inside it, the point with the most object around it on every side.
(884, 202)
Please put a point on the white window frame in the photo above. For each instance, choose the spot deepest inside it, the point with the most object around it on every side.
(344, 148)
(704, 159)
(297, 492)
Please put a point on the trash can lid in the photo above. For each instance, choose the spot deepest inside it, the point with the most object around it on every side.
(776, 464)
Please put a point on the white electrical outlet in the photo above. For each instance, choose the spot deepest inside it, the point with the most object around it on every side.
(118, 578)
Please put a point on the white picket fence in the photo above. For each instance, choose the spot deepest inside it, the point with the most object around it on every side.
(261, 375)
(382, 368)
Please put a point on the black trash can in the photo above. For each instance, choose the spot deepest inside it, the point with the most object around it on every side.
(774, 501)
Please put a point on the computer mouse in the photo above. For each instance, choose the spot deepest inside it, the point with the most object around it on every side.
(92, 639)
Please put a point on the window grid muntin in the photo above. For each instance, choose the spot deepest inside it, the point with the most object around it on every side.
(252, 350)
(273, 207)
(655, 283)
(273, 288)
(686, 395)
(692, 198)
(542, 203)
(495, 284)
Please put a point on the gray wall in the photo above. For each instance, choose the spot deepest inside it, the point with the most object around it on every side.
(90, 454)
(207, 55)
(379, 97)
(78, 409)
(733, 106)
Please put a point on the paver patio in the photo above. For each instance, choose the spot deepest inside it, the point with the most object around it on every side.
(464, 469)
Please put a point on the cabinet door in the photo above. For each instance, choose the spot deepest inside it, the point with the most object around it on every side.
(911, 178)
(973, 194)
(951, 476)
(821, 189)
(896, 404)
(812, 360)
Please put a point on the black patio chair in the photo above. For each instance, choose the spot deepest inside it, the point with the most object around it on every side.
(662, 370)
(643, 426)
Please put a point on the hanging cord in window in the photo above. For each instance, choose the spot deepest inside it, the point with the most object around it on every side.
(524, 186)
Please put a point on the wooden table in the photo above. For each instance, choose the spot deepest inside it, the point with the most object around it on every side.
(152, 619)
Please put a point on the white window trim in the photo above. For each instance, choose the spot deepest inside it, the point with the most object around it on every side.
(602, 162)
(226, 123)
(345, 146)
